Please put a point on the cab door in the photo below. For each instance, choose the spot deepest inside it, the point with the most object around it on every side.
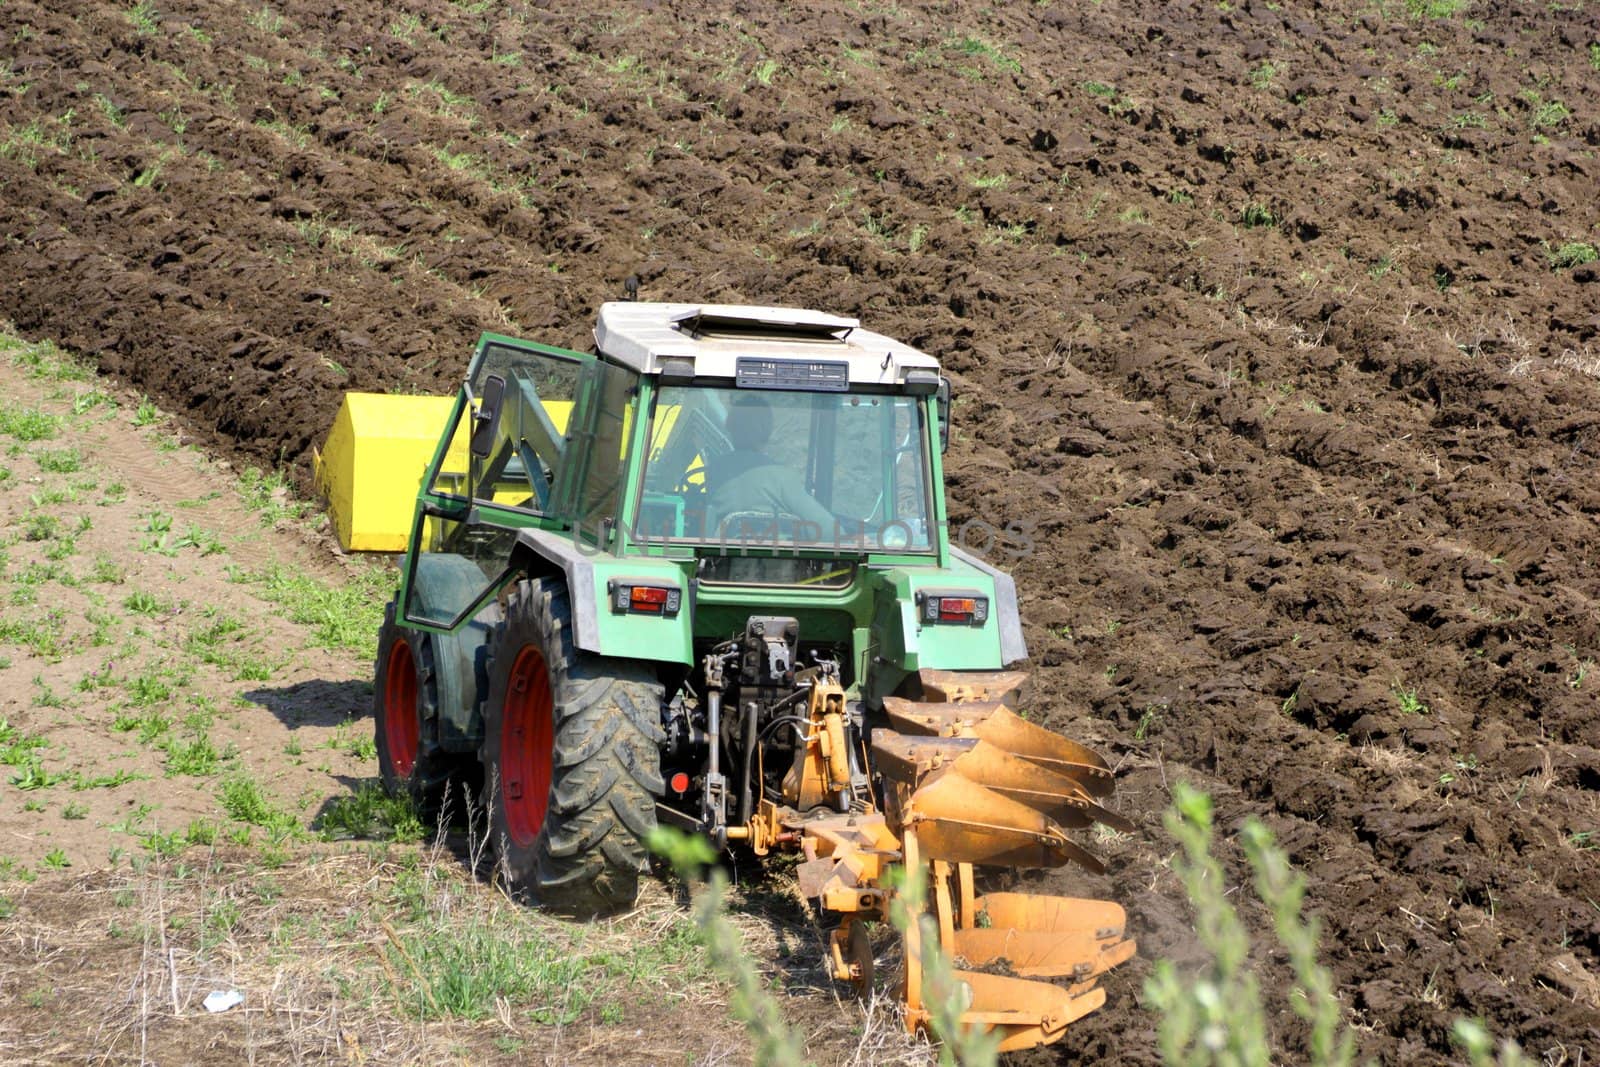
(468, 516)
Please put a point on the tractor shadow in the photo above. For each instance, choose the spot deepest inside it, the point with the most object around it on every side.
(316, 703)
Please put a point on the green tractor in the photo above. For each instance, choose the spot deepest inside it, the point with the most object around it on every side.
(702, 576)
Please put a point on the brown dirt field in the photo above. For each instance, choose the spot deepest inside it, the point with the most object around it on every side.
(1270, 317)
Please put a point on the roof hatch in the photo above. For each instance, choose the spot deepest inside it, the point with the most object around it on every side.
(727, 320)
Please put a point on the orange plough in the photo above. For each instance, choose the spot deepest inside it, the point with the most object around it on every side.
(967, 782)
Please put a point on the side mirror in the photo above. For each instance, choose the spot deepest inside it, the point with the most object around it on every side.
(941, 400)
(486, 420)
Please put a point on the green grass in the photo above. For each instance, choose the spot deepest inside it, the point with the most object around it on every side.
(27, 424)
(1571, 254)
(1408, 701)
(1257, 216)
(25, 144)
(151, 724)
(203, 541)
(194, 756)
(485, 952)
(977, 46)
(341, 617)
(462, 970)
(1434, 9)
(199, 832)
(44, 361)
(243, 799)
(40, 526)
(106, 781)
(267, 20)
(142, 603)
(370, 812)
(44, 635)
(31, 775)
(269, 494)
(148, 689)
(1544, 114)
(227, 643)
(1261, 76)
(345, 739)
(144, 17)
(16, 747)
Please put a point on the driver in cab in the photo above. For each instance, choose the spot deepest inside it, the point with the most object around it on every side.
(753, 494)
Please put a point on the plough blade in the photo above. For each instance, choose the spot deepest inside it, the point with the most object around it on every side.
(1026, 1013)
(1043, 936)
(1102, 919)
(992, 721)
(960, 821)
(1062, 798)
(1039, 954)
(960, 686)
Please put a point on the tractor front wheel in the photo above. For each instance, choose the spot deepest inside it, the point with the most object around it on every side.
(571, 759)
(404, 711)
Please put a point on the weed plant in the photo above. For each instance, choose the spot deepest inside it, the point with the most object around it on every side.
(370, 812)
(691, 856)
(1215, 1015)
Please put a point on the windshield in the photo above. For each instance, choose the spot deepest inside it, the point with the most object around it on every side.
(779, 467)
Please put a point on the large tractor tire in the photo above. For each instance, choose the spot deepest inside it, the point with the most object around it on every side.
(405, 702)
(571, 759)
(425, 684)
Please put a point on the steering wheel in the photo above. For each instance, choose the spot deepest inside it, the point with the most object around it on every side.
(686, 487)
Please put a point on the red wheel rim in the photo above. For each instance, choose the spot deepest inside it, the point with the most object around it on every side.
(527, 741)
(401, 728)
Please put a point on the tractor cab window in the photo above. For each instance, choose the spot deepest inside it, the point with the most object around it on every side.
(601, 448)
(559, 452)
(529, 450)
(787, 468)
(455, 565)
(530, 446)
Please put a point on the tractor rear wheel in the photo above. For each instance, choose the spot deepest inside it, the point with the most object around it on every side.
(571, 759)
(405, 703)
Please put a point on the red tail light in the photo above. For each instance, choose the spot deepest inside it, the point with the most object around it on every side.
(961, 607)
(628, 597)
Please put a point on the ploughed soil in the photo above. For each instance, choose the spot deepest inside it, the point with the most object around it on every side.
(1271, 326)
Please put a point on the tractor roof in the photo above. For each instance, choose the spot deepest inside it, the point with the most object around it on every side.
(713, 339)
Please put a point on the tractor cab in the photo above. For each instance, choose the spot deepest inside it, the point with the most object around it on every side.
(717, 449)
